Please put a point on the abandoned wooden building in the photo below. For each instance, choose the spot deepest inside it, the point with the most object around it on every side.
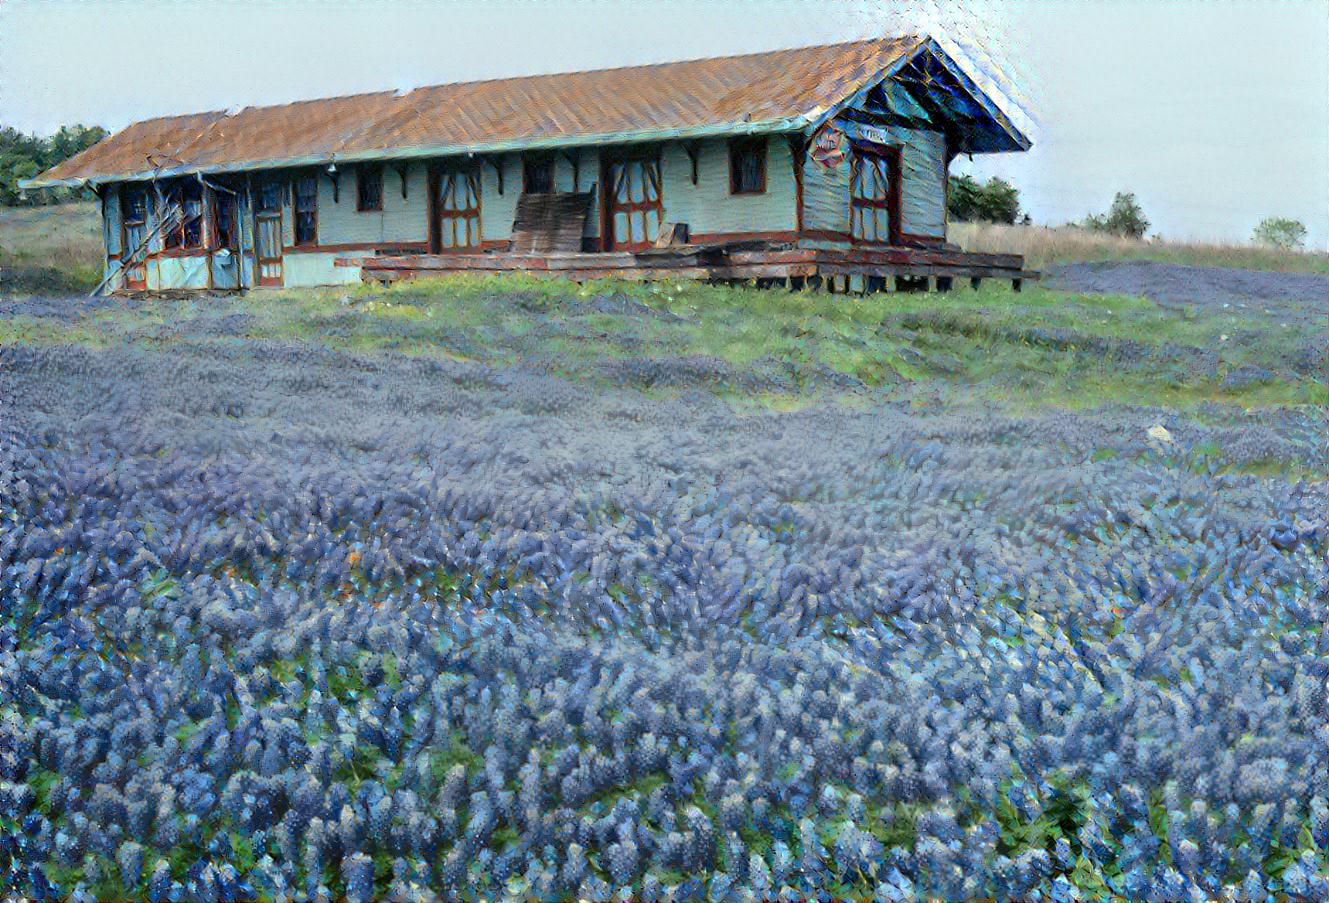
(825, 163)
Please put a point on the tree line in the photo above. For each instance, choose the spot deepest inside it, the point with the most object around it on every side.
(24, 156)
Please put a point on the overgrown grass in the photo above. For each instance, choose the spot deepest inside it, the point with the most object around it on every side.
(770, 347)
(1042, 247)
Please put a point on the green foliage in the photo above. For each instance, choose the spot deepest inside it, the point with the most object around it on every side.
(994, 201)
(1280, 232)
(24, 156)
(1124, 218)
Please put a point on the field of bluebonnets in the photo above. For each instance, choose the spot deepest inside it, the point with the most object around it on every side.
(505, 590)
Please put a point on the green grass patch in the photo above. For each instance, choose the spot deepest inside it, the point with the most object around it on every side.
(1035, 348)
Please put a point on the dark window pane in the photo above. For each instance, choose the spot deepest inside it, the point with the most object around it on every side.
(191, 211)
(306, 210)
(269, 197)
(369, 183)
(538, 176)
(747, 167)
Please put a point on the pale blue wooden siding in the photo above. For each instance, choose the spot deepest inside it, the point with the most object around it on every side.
(339, 223)
(498, 210)
(825, 196)
(179, 272)
(111, 234)
(111, 220)
(922, 189)
(318, 268)
(709, 208)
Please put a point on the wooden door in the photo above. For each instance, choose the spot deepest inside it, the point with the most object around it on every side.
(874, 196)
(457, 208)
(268, 231)
(633, 204)
(134, 229)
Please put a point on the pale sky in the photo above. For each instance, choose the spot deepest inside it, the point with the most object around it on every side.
(1214, 112)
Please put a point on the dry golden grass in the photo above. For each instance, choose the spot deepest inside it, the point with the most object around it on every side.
(1043, 246)
(64, 238)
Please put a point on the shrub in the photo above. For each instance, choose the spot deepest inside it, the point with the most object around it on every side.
(1125, 218)
(994, 201)
(1279, 232)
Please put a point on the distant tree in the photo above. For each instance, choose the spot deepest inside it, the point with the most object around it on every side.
(1280, 232)
(1125, 218)
(962, 198)
(24, 156)
(995, 201)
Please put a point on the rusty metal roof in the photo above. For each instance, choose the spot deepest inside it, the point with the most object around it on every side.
(760, 92)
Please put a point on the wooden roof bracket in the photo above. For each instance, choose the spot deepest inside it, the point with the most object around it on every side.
(574, 160)
(693, 149)
(496, 161)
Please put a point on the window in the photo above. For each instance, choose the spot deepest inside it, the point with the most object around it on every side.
(369, 187)
(747, 166)
(269, 197)
(134, 205)
(184, 213)
(306, 209)
(537, 175)
(223, 219)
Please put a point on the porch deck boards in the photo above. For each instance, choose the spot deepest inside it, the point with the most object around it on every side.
(736, 261)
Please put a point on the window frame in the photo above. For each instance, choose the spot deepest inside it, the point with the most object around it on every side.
(760, 146)
(179, 238)
(530, 164)
(304, 179)
(371, 205)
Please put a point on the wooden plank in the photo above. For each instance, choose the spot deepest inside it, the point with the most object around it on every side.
(550, 222)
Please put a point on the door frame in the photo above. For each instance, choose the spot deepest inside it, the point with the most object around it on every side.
(608, 158)
(434, 182)
(258, 215)
(891, 154)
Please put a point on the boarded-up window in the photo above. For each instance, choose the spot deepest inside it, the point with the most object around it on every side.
(747, 166)
(537, 175)
(306, 210)
(369, 187)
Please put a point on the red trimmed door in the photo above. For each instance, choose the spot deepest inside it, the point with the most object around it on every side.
(268, 231)
(457, 207)
(633, 205)
(874, 196)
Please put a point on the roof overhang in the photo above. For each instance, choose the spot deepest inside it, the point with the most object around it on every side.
(771, 126)
(993, 131)
(803, 88)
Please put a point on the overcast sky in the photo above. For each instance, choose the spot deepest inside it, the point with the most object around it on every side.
(1214, 112)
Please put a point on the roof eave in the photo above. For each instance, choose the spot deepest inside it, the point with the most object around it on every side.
(769, 126)
(1019, 140)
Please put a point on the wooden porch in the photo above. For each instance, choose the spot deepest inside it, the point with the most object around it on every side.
(834, 269)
